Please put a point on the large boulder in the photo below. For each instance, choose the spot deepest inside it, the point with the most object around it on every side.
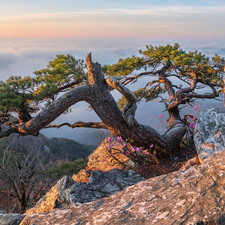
(195, 196)
(100, 159)
(49, 201)
(101, 184)
(10, 218)
(209, 134)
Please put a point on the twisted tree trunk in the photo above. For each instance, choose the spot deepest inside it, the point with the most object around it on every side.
(98, 95)
(176, 131)
(105, 106)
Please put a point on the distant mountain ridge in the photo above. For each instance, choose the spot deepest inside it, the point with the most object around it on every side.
(88, 136)
(57, 148)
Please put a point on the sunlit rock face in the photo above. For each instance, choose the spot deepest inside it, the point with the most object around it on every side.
(100, 159)
(209, 135)
(82, 176)
(50, 200)
(191, 197)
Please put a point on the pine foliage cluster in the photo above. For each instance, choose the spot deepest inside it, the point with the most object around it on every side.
(61, 74)
(26, 95)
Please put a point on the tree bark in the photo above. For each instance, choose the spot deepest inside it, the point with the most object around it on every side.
(176, 131)
(106, 108)
(98, 95)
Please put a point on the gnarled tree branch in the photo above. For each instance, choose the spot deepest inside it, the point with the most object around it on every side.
(80, 124)
(131, 106)
(49, 114)
(128, 80)
(187, 93)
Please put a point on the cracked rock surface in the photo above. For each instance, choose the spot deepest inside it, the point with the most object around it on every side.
(209, 135)
(195, 196)
(101, 184)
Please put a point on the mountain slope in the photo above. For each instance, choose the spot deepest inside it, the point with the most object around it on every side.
(56, 148)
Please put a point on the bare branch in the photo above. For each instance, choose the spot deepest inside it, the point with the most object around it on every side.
(150, 83)
(179, 94)
(80, 124)
(8, 132)
(95, 75)
(49, 114)
(167, 83)
(13, 183)
(162, 101)
(128, 80)
(174, 75)
(130, 108)
(8, 194)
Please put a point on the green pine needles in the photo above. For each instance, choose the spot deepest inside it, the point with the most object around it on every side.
(23, 95)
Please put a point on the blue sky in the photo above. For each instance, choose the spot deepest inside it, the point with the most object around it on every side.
(15, 7)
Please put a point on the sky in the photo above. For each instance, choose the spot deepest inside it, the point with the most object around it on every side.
(101, 18)
(33, 32)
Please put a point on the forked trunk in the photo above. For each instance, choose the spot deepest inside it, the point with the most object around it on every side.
(176, 131)
(98, 95)
(138, 135)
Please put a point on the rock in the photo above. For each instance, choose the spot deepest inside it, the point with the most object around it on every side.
(100, 159)
(97, 157)
(82, 176)
(209, 134)
(195, 196)
(102, 184)
(49, 201)
(189, 163)
(10, 218)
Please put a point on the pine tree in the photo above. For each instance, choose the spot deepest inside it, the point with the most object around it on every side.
(24, 96)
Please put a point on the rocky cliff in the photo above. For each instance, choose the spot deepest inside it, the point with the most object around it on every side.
(182, 197)
(191, 196)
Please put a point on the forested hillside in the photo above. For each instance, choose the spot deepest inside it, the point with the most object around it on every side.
(56, 148)
(30, 166)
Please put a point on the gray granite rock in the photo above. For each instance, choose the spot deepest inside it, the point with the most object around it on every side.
(102, 184)
(10, 218)
(195, 196)
(209, 134)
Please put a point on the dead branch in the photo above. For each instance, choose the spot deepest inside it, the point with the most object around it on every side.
(131, 106)
(80, 124)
